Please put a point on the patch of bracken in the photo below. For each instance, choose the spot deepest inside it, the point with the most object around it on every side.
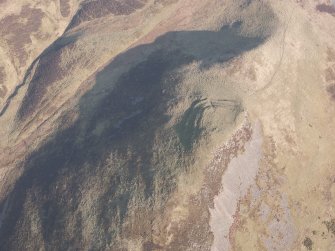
(3, 88)
(331, 91)
(330, 55)
(17, 34)
(100, 8)
(330, 226)
(64, 7)
(330, 74)
(308, 243)
(326, 8)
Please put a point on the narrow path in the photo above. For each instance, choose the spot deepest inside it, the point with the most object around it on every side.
(282, 53)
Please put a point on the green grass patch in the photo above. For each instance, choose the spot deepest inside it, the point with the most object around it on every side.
(189, 127)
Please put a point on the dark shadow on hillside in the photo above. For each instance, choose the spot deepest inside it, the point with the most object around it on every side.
(122, 120)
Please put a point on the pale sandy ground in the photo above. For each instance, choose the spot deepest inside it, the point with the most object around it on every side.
(236, 181)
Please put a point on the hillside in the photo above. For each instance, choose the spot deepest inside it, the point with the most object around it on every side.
(167, 125)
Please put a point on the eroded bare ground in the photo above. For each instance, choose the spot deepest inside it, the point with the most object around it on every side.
(167, 125)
